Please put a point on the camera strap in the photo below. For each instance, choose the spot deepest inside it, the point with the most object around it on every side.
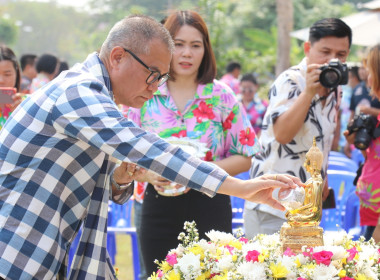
(376, 131)
(328, 94)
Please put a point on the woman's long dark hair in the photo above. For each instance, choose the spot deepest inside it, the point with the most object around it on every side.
(7, 54)
(207, 69)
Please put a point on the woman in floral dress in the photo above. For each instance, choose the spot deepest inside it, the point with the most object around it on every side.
(192, 104)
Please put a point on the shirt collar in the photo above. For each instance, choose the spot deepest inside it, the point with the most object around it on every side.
(97, 68)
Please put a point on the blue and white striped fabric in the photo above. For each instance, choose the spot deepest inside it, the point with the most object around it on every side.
(54, 159)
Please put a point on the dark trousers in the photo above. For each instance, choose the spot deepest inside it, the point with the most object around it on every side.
(368, 232)
(163, 219)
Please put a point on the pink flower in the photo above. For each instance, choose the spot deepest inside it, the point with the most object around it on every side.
(300, 278)
(308, 252)
(252, 256)
(230, 248)
(208, 156)
(171, 259)
(247, 137)
(227, 124)
(352, 253)
(243, 239)
(160, 273)
(289, 252)
(204, 111)
(347, 278)
(323, 257)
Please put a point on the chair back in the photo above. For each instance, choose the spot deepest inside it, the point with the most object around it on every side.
(342, 183)
(337, 154)
(351, 219)
(347, 165)
(237, 205)
(120, 221)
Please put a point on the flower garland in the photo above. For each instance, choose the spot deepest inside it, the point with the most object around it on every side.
(226, 257)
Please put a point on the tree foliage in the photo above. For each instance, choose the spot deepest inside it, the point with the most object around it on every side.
(241, 30)
(8, 32)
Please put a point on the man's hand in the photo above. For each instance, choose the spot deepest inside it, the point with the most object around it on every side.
(313, 86)
(127, 172)
(17, 99)
(326, 190)
(350, 138)
(260, 189)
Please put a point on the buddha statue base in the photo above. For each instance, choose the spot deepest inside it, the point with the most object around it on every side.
(297, 237)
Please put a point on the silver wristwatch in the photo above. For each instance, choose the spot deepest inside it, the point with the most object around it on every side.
(117, 186)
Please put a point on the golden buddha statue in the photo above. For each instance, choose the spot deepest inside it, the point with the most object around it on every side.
(310, 213)
(302, 226)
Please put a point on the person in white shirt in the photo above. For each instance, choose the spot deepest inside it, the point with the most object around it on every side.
(300, 108)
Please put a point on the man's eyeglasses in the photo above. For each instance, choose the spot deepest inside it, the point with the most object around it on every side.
(247, 90)
(154, 74)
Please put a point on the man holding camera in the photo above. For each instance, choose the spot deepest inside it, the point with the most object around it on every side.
(301, 108)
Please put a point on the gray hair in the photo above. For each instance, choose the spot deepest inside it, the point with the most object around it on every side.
(135, 33)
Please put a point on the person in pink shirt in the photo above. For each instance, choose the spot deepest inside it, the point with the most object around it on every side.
(368, 186)
(47, 67)
(231, 78)
(253, 104)
(195, 105)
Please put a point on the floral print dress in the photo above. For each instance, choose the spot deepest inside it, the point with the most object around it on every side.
(214, 116)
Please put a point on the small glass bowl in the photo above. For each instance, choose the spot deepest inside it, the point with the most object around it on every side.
(292, 199)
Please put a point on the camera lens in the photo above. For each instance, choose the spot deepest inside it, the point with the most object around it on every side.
(362, 139)
(330, 78)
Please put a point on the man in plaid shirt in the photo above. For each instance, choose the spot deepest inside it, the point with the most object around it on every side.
(56, 172)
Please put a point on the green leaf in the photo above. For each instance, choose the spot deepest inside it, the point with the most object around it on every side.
(169, 132)
(203, 126)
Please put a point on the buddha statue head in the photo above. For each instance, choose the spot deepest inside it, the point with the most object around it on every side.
(314, 159)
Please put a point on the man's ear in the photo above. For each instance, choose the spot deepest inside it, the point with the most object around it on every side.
(306, 47)
(115, 56)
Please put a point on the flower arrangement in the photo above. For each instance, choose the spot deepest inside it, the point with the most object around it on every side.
(235, 258)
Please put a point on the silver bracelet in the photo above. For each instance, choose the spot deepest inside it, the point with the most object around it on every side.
(117, 186)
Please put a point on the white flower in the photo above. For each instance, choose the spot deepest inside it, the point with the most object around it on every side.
(252, 271)
(270, 240)
(225, 263)
(178, 251)
(189, 265)
(234, 259)
(335, 237)
(221, 237)
(323, 272)
(288, 262)
(303, 260)
(207, 246)
(370, 272)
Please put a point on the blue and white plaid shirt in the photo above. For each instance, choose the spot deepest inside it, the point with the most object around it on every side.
(54, 159)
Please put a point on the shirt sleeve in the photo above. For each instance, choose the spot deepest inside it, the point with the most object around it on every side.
(283, 94)
(92, 117)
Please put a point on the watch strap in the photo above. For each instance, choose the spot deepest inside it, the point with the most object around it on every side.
(117, 186)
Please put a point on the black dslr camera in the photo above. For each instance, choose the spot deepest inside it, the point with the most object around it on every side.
(334, 74)
(364, 126)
